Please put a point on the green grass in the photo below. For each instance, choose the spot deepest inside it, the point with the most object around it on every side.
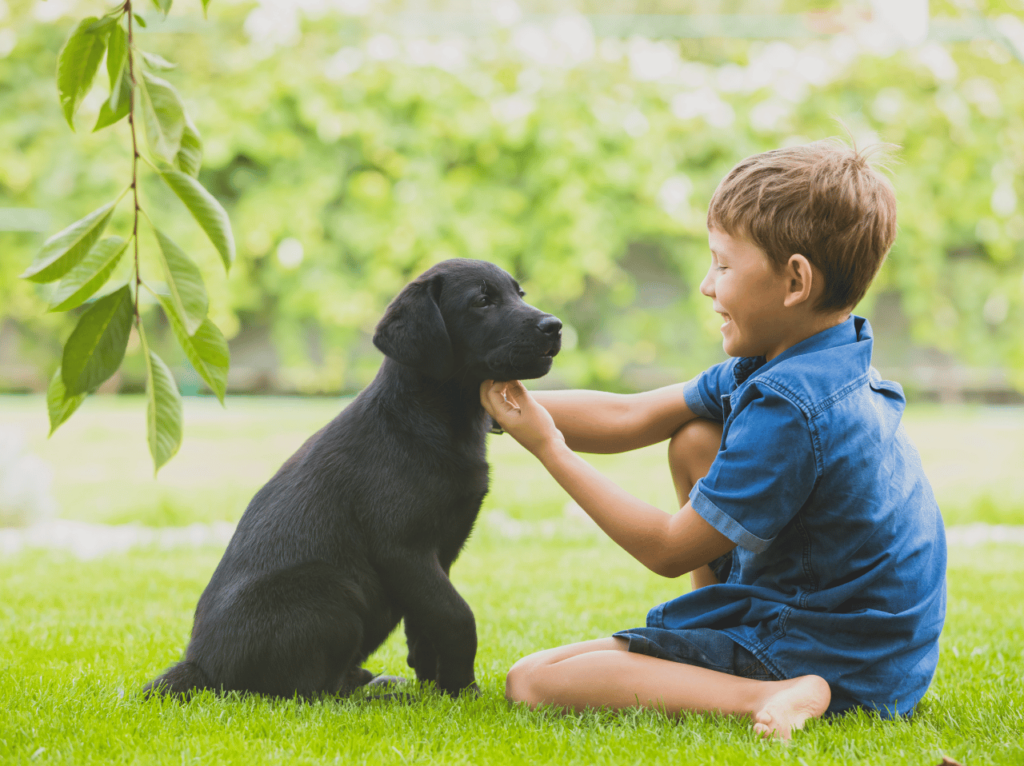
(78, 639)
(103, 471)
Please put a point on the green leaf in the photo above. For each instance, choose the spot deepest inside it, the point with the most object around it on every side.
(79, 284)
(117, 60)
(109, 115)
(164, 6)
(206, 210)
(164, 116)
(206, 4)
(65, 249)
(206, 349)
(103, 25)
(77, 63)
(139, 20)
(58, 403)
(97, 344)
(163, 411)
(156, 62)
(184, 283)
(190, 157)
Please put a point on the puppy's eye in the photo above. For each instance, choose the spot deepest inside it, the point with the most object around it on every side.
(522, 294)
(480, 302)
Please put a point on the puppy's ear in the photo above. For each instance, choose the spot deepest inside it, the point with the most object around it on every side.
(412, 330)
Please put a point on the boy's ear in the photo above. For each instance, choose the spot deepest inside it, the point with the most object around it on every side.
(800, 280)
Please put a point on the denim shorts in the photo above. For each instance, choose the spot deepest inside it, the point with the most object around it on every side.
(703, 647)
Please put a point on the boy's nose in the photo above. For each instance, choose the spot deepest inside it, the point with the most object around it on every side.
(707, 285)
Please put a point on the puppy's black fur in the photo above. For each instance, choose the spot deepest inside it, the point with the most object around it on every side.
(358, 529)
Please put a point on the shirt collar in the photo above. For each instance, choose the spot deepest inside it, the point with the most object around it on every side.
(746, 367)
(854, 330)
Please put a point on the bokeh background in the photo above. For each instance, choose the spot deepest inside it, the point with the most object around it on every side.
(354, 143)
(576, 143)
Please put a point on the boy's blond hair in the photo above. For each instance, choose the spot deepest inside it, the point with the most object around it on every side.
(822, 200)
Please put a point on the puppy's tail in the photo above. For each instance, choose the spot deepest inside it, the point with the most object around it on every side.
(181, 680)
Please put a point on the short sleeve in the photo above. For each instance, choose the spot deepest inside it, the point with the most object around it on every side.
(704, 393)
(763, 474)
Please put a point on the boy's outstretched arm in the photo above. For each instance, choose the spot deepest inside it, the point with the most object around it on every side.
(668, 544)
(602, 422)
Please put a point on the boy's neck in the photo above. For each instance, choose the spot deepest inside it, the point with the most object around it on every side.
(805, 327)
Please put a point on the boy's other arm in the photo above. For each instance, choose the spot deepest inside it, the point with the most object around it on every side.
(668, 544)
(602, 422)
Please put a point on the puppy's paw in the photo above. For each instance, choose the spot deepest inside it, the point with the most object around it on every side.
(358, 677)
(471, 692)
(386, 682)
(388, 689)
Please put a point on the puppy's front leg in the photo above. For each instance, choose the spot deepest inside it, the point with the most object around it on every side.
(439, 616)
(422, 657)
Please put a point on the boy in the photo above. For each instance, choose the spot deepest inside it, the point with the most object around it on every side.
(814, 544)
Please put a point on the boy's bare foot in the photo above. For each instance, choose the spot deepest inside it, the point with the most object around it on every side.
(790, 704)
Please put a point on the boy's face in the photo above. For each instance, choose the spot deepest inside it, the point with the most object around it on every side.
(749, 294)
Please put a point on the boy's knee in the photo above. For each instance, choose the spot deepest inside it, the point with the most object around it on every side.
(520, 683)
(516, 682)
(696, 443)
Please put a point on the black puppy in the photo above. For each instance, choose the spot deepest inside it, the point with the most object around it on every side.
(358, 529)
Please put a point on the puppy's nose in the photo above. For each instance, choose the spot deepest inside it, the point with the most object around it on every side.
(550, 325)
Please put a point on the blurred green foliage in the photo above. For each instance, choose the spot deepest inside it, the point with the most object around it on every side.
(350, 159)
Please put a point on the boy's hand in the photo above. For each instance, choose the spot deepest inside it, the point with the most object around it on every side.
(519, 414)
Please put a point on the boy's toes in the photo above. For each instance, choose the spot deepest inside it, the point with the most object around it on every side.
(793, 702)
(763, 724)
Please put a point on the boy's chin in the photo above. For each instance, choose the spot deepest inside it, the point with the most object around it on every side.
(732, 353)
(737, 348)
(733, 347)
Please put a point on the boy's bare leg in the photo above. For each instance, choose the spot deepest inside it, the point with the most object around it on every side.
(604, 674)
(691, 451)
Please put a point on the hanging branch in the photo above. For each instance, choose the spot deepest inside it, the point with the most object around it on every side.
(82, 263)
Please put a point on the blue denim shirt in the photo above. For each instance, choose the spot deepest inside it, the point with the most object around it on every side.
(840, 563)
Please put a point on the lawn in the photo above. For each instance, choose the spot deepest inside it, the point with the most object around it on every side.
(103, 471)
(78, 639)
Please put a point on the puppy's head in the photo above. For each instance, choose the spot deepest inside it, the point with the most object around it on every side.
(466, 320)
